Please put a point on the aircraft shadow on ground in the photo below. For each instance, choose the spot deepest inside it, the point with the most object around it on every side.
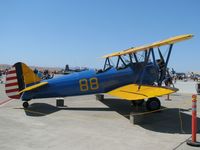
(166, 121)
(43, 109)
(40, 109)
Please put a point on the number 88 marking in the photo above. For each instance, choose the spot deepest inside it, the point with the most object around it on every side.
(93, 82)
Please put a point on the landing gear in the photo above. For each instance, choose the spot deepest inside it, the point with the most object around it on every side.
(137, 102)
(25, 104)
(153, 104)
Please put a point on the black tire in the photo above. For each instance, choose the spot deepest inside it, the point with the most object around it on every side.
(153, 104)
(25, 104)
(137, 102)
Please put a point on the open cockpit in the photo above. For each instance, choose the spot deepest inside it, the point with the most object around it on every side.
(140, 60)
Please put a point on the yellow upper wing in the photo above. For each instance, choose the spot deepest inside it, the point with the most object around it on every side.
(133, 92)
(156, 44)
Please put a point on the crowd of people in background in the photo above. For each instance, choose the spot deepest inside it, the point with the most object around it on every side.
(45, 74)
(2, 72)
(170, 79)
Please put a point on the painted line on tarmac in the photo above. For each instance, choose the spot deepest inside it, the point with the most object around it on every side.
(5, 101)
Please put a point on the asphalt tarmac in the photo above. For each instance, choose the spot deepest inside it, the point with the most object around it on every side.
(85, 123)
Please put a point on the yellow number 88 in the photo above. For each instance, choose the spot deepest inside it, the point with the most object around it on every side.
(94, 84)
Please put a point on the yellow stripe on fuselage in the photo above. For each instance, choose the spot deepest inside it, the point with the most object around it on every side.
(33, 87)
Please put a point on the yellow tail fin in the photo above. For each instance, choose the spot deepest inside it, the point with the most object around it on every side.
(28, 75)
(18, 78)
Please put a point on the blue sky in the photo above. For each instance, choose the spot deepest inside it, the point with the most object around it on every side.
(79, 32)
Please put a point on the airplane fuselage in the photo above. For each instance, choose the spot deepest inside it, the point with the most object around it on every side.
(92, 82)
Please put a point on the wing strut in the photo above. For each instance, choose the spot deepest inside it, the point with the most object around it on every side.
(163, 64)
(147, 55)
(135, 56)
(107, 64)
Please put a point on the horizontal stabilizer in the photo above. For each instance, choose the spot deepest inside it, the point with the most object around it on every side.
(134, 92)
(33, 87)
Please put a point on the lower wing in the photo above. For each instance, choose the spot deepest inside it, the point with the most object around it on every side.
(138, 92)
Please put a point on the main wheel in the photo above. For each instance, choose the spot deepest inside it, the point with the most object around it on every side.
(153, 104)
(25, 104)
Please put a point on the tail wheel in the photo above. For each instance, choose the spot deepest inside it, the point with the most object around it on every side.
(153, 104)
(25, 104)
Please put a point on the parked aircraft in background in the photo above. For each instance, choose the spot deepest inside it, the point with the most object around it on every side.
(72, 70)
(133, 74)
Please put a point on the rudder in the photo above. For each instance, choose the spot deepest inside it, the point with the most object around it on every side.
(19, 77)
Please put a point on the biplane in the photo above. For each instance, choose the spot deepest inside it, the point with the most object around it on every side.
(135, 74)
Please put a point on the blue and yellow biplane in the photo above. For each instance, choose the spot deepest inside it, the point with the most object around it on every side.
(134, 74)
